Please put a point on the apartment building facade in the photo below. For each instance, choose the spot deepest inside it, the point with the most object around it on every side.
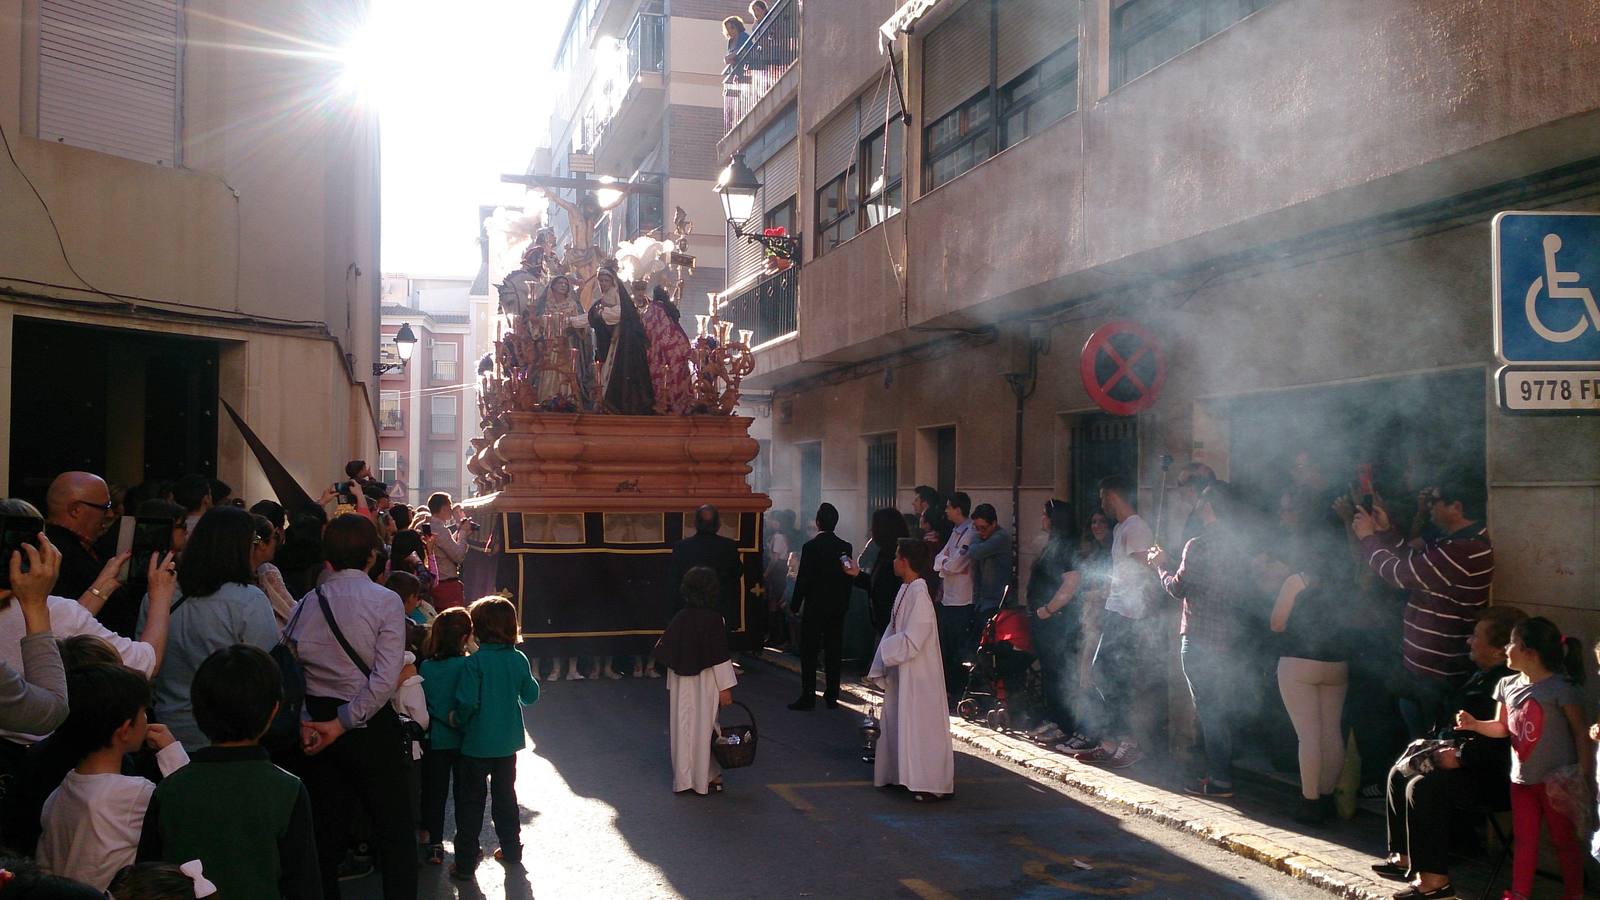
(640, 100)
(186, 223)
(427, 410)
(1292, 197)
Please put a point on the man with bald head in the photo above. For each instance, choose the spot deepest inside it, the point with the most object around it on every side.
(78, 510)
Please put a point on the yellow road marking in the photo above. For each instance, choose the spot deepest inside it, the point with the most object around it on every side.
(791, 792)
(925, 890)
(1039, 871)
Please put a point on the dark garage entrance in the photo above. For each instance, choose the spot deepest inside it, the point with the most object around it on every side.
(129, 405)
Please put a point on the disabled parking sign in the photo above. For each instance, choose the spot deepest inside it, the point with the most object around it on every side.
(1546, 275)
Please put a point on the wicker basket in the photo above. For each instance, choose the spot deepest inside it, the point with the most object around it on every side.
(734, 746)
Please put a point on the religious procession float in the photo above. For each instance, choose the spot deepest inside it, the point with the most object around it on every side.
(604, 426)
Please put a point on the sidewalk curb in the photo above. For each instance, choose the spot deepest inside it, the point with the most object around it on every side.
(1220, 825)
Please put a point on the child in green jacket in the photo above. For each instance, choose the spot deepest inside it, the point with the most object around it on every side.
(444, 658)
(495, 684)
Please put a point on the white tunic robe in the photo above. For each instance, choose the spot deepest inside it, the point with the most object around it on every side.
(693, 719)
(915, 749)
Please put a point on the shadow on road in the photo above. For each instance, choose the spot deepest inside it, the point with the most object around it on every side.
(805, 820)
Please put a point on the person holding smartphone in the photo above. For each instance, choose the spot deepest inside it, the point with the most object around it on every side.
(450, 528)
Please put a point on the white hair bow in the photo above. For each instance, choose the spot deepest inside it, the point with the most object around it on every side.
(202, 887)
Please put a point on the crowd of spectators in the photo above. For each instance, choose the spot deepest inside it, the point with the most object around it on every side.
(275, 698)
(1303, 621)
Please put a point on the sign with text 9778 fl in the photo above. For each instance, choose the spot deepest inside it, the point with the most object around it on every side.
(1549, 391)
(1546, 319)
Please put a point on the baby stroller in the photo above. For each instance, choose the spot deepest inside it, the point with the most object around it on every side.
(1004, 682)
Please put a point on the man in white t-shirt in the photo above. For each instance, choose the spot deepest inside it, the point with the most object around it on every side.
(957, 616)
(1123, 652)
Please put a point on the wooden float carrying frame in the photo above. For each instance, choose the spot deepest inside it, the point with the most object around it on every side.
(588, 507)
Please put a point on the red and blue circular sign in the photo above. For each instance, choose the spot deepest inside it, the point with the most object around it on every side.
(1123, 368)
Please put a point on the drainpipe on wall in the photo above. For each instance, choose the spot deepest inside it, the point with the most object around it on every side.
(1021, 358)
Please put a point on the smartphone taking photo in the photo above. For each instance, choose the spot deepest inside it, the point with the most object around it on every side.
(15, 531)
(141, 537)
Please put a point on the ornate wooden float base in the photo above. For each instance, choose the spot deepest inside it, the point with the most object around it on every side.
(581, 532)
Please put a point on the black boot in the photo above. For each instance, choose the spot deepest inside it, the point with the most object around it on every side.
(1310, 812)
(1330, 809)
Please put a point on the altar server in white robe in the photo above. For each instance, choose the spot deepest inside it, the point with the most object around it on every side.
(915, 749)
(700, 678)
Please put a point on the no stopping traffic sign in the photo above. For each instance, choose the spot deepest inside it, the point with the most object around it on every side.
(1123, 368)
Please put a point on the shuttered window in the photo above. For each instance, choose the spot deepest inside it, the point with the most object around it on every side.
(1147, 33)
(1034, 47)
(850, 165)
(955, 60)
(110, 77)
(1027, 31)
(956, 101)
(882, 170)
(779, 180)
(1040, 96)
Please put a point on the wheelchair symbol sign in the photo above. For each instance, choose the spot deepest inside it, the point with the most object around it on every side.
(1546, 274)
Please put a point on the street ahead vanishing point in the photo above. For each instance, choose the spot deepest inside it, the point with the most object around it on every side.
(1546, 320)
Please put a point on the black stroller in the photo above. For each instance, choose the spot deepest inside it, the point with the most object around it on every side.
(1004, 683)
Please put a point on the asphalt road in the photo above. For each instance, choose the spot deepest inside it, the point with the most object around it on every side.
(599, 819)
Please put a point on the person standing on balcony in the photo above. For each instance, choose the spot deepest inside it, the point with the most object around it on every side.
(733, 29)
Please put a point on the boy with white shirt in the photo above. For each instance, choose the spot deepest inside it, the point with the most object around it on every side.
(92, 822)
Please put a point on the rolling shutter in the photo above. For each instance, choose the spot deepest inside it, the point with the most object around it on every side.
(109, 77)
(1029, 31)
(836, 144)
(780, 176)
(745, 255)
(955, 60)
(874, 103)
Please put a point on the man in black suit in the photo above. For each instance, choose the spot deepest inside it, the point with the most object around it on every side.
(708, 548)
(821, 596)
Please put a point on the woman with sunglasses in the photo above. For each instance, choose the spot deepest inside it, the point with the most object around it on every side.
(218, 605)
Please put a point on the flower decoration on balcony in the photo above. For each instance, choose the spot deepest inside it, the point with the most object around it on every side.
(779, 253)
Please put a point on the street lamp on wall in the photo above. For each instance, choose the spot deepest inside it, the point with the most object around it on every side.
(405, 343)
(738, 187)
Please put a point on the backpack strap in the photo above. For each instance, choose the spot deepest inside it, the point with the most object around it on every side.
(333, 625)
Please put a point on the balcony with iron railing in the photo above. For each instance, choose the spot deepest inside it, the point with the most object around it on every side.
(768, 306)
(631, 97)
(770, 49)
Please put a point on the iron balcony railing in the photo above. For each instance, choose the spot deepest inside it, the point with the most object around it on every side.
(768, 52)
(647, 45)
(767, 307)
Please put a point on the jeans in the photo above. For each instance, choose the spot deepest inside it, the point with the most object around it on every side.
(438, 771)
(1207, 674)
(495, 780)
(1117, 660)
(1056, 641)
(956, 624)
